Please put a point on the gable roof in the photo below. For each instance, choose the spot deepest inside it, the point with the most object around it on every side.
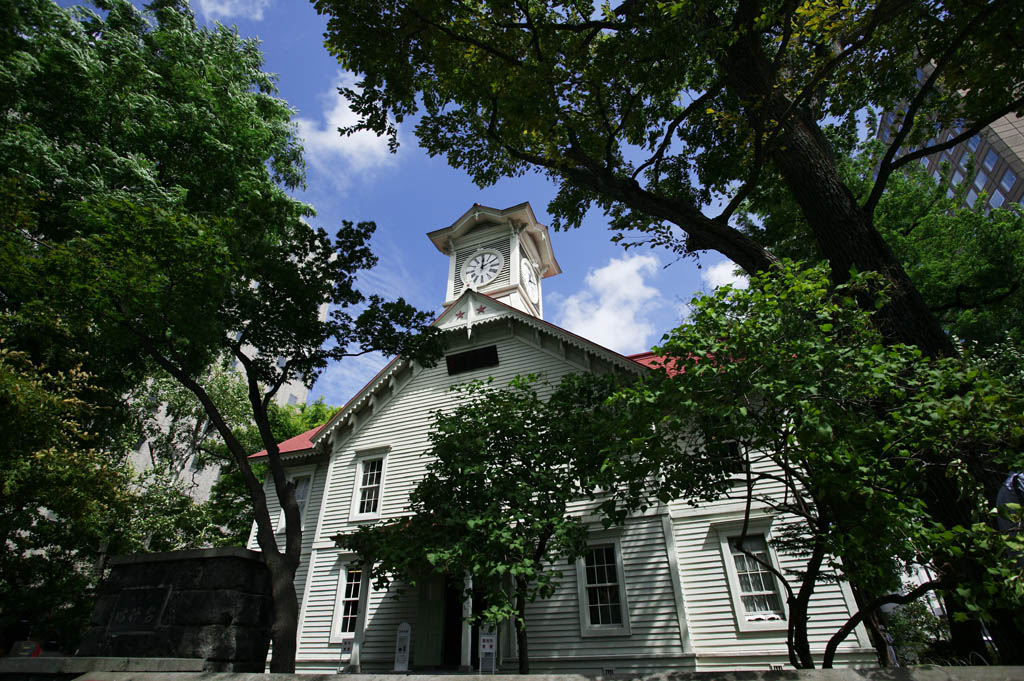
(451, 321)
(304, 442)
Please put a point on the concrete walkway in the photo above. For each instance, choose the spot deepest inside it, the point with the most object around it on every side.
(915, 674)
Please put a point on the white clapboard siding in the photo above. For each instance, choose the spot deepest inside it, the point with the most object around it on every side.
(402, 424)
(553, 625)
(397, 420)
(717, 642)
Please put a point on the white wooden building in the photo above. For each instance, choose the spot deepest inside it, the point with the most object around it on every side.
(666, 592)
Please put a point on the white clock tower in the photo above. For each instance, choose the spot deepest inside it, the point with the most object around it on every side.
(503, 254)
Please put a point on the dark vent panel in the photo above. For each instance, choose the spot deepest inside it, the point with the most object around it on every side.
(462, 362)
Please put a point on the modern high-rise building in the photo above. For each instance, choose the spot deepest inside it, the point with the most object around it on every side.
(998, 175)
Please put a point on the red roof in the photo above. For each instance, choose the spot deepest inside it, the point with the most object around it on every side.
(295, 444)
(653, 361)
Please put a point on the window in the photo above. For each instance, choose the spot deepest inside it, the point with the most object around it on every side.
(302, 484)
(602, 593)
(350, 600)
(958, 177)
(1008, 179)
(972, 196)
(997, 199)
(757, 599)
(369, 486)
(973, 143)
(991, 159)
(980, 179)
(758, 591)
(346, 603)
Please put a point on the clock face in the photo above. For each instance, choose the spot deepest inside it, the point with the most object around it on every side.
(528, 278)
(482, 267)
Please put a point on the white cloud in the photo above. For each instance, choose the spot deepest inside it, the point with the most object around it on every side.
(336, 156)
(613, 309)
(227, 9)
(723, 273)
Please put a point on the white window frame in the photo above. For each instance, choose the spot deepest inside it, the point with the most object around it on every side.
(292, 475)
(337, 635)
(586, 628)
(361, 459)
(756, 527)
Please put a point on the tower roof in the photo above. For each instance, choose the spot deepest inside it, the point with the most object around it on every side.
(519, 216)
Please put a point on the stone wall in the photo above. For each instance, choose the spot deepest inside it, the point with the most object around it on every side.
(212, 604)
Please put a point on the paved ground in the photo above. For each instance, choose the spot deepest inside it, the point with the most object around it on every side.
(917, 674)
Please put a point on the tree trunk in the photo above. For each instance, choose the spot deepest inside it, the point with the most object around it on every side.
(521, 644)
(286, 613)
(874, 628)
(800, 646)
(282, 567)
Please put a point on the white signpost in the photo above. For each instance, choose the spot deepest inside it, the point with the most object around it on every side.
(402, 647)
(488, 652)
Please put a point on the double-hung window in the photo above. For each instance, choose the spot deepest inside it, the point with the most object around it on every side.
(346, 604)
(749, 563)
(602, 592)
(303, 482)
(369, 485)
(758, 591)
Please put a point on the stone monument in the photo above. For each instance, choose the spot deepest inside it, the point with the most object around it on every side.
(212, 604)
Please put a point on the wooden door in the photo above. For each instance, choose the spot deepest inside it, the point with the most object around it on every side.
(428, 635)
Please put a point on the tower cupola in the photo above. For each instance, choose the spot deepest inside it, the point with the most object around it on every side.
(501, 253)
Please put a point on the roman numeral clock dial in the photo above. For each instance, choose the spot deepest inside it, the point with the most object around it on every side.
(482, 267)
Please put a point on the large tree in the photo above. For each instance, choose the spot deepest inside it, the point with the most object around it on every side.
(152, 161)
(667, 115)
(660, 111)
(967, 262)
(835, 433)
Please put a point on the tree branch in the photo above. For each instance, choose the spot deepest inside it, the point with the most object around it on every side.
(974, 129)
(844, 631)
(666, 139)
(959, 304)
(459, 38)
(886, 167)
(755, 173)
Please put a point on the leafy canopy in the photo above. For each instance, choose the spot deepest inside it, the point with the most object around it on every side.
(150, 162)
(655, 111)
(839, 435)
(61, 497)
(965, 262)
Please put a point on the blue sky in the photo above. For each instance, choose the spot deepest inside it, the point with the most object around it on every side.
(625, 301)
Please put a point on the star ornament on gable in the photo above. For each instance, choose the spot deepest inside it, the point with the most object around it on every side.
(480, 310)
(460, 314)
